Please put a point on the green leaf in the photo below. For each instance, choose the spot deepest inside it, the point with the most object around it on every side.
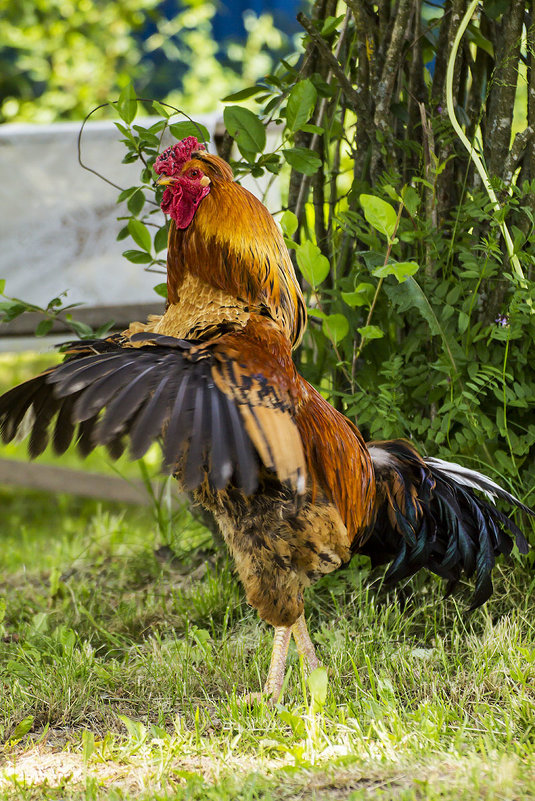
(400, 270)
(246, 128)
(313, 312)
(243, 94)
(494, 8)
(411, 199)
(160, 240)
(84, 331)
(137, 256)
(190, 128)
(379, 214)
(136, 729)
(158, 127)
(161, 289)
(88, 745)
(127, 104)
(411, 295)
(136, 201)
(289, 223)
(463, 322)
(370, 332)
(391, 192)
(474, 35)
(2, 285)
(312, 263)
(294, 721)
(301, 103)
(43, 328)
(318, 682)
(147, 137)
(10, 309)
(302, 160)
(330, 25)
(23, 727)
(140, 234)
(126, 193)
(310, 128)
(335, 327)
(160, 109)
(362, 295)
(103, 329)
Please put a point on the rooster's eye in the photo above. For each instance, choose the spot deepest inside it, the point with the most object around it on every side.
(194, 173)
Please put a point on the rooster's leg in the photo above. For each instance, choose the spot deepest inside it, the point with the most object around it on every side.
(305, 646)
(277, 666)
(277, 669)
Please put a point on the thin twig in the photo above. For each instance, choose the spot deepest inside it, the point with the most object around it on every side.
(379, 285)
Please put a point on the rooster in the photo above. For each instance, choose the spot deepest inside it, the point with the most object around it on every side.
(295, 489)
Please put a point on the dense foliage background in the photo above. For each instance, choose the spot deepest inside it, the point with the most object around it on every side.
(421, 316)
(422, 319)
(61, 58)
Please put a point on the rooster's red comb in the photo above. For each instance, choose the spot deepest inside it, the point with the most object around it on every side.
(171, 161)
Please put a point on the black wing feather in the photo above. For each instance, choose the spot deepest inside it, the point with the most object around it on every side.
(246, 467)
(15, 404)
(85, 443)
(151, 418)
(106, 393)
(80, 372)
(65, 426)
(221, 462)
(200, 432)
(179, 425)
(124, 404)
(44, 413)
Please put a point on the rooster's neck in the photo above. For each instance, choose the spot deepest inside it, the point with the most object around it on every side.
(234, 246)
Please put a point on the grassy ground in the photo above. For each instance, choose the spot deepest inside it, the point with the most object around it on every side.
(121, 665)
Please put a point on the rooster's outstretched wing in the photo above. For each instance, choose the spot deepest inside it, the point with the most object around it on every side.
(213, 418)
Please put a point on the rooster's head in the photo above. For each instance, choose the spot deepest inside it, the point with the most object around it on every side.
(187, 171)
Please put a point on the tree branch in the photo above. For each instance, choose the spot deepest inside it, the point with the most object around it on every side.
(516, 153)
(333, 63)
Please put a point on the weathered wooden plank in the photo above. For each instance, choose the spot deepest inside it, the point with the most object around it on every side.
(94, 316)
(49, 478)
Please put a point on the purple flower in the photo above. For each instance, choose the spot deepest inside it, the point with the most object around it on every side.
(502, 320)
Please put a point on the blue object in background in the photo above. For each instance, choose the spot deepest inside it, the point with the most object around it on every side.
(228, 20)
(166, 73)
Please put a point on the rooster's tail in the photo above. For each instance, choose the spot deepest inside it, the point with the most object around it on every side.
(428, 515)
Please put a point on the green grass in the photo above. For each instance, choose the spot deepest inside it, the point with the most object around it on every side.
(121, 669)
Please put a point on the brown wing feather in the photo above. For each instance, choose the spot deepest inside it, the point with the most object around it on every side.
(255, 369)
(338, 463)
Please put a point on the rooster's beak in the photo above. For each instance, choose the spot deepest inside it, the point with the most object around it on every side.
(165, 180)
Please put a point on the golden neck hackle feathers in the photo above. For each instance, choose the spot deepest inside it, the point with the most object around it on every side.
(234, 245)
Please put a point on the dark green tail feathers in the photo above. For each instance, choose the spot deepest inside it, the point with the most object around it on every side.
(430, 516)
